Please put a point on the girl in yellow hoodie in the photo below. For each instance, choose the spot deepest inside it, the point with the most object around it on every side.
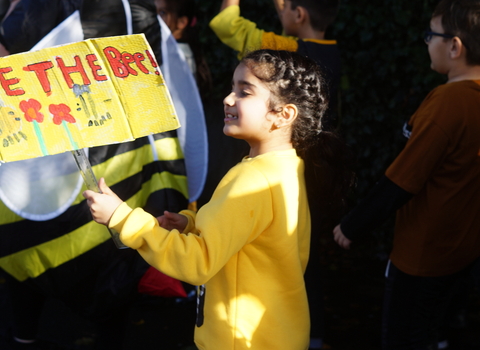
(248, 247)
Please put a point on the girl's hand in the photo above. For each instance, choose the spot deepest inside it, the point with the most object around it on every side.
(340, 238)
(170, 221)
(102, 205)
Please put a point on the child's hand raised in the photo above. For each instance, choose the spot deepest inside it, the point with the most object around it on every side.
(170, 221)
(102, 205)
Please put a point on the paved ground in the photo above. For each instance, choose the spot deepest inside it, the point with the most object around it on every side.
(353, 288)
(154, 323)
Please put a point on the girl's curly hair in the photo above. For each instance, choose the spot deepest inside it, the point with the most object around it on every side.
(293, 78)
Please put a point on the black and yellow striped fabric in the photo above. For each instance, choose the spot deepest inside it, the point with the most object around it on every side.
(71, 257)
(49, 252)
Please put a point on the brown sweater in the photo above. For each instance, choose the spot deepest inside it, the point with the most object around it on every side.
(438, 231)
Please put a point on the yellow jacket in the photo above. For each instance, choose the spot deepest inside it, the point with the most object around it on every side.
(249, 245)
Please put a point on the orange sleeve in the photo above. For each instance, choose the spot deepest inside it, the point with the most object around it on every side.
(278, 42)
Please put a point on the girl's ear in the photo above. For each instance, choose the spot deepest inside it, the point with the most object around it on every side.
(287, 116)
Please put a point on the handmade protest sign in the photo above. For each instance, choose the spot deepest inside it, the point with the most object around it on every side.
(91, 93)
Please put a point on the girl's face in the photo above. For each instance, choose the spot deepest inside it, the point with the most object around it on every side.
(247, 112)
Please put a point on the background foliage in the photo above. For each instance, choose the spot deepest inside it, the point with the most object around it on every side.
(386, 75)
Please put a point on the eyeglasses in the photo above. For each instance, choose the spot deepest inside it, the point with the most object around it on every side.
(429, 35)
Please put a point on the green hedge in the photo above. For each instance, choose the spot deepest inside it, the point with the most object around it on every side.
(386, 74)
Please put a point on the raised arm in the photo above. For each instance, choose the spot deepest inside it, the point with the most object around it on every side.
(226, 3)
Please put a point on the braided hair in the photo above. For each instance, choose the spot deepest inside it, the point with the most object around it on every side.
(293, 78)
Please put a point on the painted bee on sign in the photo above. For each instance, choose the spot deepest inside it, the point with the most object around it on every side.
(10, 127)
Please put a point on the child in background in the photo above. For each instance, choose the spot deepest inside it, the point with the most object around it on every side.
(433, 186)
(248, 247)
(180, 17)
(304, 24)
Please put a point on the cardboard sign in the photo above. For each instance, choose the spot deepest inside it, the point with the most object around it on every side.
(91, 93)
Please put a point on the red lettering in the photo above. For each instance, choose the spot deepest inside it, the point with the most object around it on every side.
(121, 62)
(152, 61)
(138, 60)
(127, 59)
(7, 82)
(91, 59)
(77, 68)
(40, 70)
(114, 57)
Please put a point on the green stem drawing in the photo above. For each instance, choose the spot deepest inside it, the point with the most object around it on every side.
(38, 132)
(70, 137)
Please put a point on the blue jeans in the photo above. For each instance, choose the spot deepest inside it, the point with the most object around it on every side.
(414, 308)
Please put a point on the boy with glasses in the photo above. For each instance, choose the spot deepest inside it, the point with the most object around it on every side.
(434, 185)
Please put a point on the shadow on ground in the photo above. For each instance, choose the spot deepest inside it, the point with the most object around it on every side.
(353, 303)
(353, 294)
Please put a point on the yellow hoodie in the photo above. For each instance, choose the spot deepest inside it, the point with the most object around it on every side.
(249, 248)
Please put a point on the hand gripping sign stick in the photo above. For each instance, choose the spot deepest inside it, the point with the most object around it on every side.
(92, 184)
